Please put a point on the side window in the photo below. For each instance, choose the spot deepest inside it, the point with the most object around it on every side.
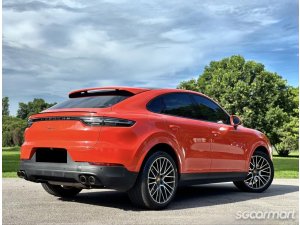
(156, 105)
(178, 104)
(210, 111)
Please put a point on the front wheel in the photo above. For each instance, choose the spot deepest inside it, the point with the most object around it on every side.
(260, 175)
(157, 182)
(61, 190)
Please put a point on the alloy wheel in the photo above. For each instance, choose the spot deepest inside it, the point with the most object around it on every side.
(161, 180)
(259, 172)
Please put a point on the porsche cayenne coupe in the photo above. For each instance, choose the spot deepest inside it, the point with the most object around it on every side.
(142, 141)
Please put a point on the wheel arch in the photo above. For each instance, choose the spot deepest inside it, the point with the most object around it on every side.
(162, 143)
(164, 148)
(260, 146)
(261, 149)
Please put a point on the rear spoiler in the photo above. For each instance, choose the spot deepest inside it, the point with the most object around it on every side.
(128, 91)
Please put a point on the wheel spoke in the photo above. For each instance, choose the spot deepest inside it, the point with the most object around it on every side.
(166, 167)
(249, 178)
(169, 192)
(168, 182)
(154, 175)
(263, 179)
(162, 166)
(258, 163)
(266, 169)
(170, 176)
(162, 193)
(156, 168)
(167, 185)
(171, 171)
(155, 190)
(166, 170)
(152, 189)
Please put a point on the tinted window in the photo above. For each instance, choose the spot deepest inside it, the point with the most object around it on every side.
(177, 104)
(90, 102)
(210, 111)
(156, 105)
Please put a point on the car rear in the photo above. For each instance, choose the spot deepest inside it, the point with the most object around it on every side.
(62, 144)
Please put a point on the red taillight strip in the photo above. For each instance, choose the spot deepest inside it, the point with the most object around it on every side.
(88, 120)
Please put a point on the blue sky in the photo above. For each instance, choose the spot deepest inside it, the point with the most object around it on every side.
(53, 47)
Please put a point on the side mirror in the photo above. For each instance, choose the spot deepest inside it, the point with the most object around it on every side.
(235, 120)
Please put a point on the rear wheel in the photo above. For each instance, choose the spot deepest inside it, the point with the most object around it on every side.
(260, 175)
(61, 190)
(157, 182)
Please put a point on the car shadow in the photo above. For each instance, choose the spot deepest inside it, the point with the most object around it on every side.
(186, 197)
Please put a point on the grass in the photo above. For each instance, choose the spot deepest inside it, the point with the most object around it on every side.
(10, 161)
(285, 167)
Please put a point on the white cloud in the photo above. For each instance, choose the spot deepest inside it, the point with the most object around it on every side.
(52, 47)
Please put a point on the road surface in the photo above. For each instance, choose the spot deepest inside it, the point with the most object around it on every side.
(27, 203)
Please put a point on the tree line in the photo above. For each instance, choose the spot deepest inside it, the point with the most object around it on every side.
(13, 126)
(262, 99)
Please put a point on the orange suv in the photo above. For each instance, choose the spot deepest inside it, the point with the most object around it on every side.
(142, 141)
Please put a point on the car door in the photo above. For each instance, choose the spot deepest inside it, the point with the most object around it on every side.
(193, 136)
(228, 147)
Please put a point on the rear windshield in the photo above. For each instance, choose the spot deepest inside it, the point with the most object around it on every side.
(97, 100)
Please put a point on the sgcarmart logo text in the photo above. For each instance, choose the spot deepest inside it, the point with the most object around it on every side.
(262, 215)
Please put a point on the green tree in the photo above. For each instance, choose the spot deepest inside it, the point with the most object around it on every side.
(262, 98)
(289, 132)
(5, 106)
(289, 135)
(37, 105)
(12, 130)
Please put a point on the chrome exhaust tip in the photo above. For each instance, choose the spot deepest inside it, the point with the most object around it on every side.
(82, 179)
(21, 174)
(92, 180)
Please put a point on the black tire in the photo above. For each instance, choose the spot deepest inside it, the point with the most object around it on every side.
(61, 191)
(142, 196)
(247, 186)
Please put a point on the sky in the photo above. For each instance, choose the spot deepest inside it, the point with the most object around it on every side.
(53, 47)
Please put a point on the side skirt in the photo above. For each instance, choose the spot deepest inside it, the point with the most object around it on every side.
(206, 178)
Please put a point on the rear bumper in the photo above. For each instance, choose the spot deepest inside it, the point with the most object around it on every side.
(113, 177)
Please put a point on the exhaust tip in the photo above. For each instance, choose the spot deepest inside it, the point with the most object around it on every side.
(82, 179)
(21, 174)
(92, 180)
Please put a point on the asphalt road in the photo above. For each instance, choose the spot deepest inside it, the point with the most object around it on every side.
(27, 203)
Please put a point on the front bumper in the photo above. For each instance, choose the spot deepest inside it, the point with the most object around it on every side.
(70, 173)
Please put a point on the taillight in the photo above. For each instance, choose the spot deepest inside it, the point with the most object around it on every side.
(90, 121)
(107, 121)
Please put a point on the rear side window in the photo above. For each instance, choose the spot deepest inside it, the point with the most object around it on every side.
(156, 105)
(177, 104)
(101, 99)
(209, 111)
